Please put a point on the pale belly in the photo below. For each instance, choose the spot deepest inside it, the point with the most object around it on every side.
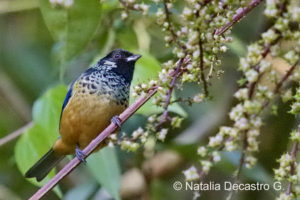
(84, 117)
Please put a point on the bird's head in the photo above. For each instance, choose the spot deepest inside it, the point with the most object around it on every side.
(121, 62)
(120, 56)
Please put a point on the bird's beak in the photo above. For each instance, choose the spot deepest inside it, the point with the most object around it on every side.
(134, 57)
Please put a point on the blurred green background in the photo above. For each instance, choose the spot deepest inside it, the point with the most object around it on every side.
(36, 62)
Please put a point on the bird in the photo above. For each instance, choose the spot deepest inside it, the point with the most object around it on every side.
(93, 101)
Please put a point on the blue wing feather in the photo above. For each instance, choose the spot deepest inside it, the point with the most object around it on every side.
(67, 98)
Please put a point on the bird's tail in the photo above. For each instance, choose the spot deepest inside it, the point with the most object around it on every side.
(42, 167)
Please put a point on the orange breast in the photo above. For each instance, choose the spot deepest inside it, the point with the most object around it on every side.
(84, 117)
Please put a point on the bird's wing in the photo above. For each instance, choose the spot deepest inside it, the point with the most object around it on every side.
(71, 87)
(67, 98)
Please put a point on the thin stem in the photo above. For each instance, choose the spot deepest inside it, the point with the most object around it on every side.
(168, 13)
(285, 77)
(242, 158)
(170, 27)
(201, 56)
(202, 75)
(15, 134)
(279, 85)
(241, 164)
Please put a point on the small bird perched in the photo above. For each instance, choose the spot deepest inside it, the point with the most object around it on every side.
(94, 99)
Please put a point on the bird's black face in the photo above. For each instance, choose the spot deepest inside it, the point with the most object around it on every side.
(123, 62)
(122, 57)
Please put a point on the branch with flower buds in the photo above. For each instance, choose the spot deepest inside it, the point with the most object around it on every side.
(170, 27)
(242, 12)
(174, 36)
(265, 52)
(267, 48)
(131, 5)
(276, 90)
(178, 71)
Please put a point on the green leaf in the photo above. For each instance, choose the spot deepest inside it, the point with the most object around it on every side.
(71, 27)
(30, 147)
(147, 68)
(105, 167)
(47, 109)
(37, 140)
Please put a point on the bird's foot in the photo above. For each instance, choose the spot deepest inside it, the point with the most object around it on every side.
(80, 155)
(116, 120)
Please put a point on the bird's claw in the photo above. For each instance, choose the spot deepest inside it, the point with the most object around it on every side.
(117, 121)
(80, 155)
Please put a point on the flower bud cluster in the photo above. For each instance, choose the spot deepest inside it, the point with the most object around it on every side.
(288, 169)
(191, 174)
(133, 142)
(133, 5)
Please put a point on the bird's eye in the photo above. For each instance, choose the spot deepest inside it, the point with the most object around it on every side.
(117, 56)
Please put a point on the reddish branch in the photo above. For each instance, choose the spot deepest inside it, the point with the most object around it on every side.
(242, 12)
(178, 71)
(285, 77)
(267, 49)
(279, 85)
(264, 53)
